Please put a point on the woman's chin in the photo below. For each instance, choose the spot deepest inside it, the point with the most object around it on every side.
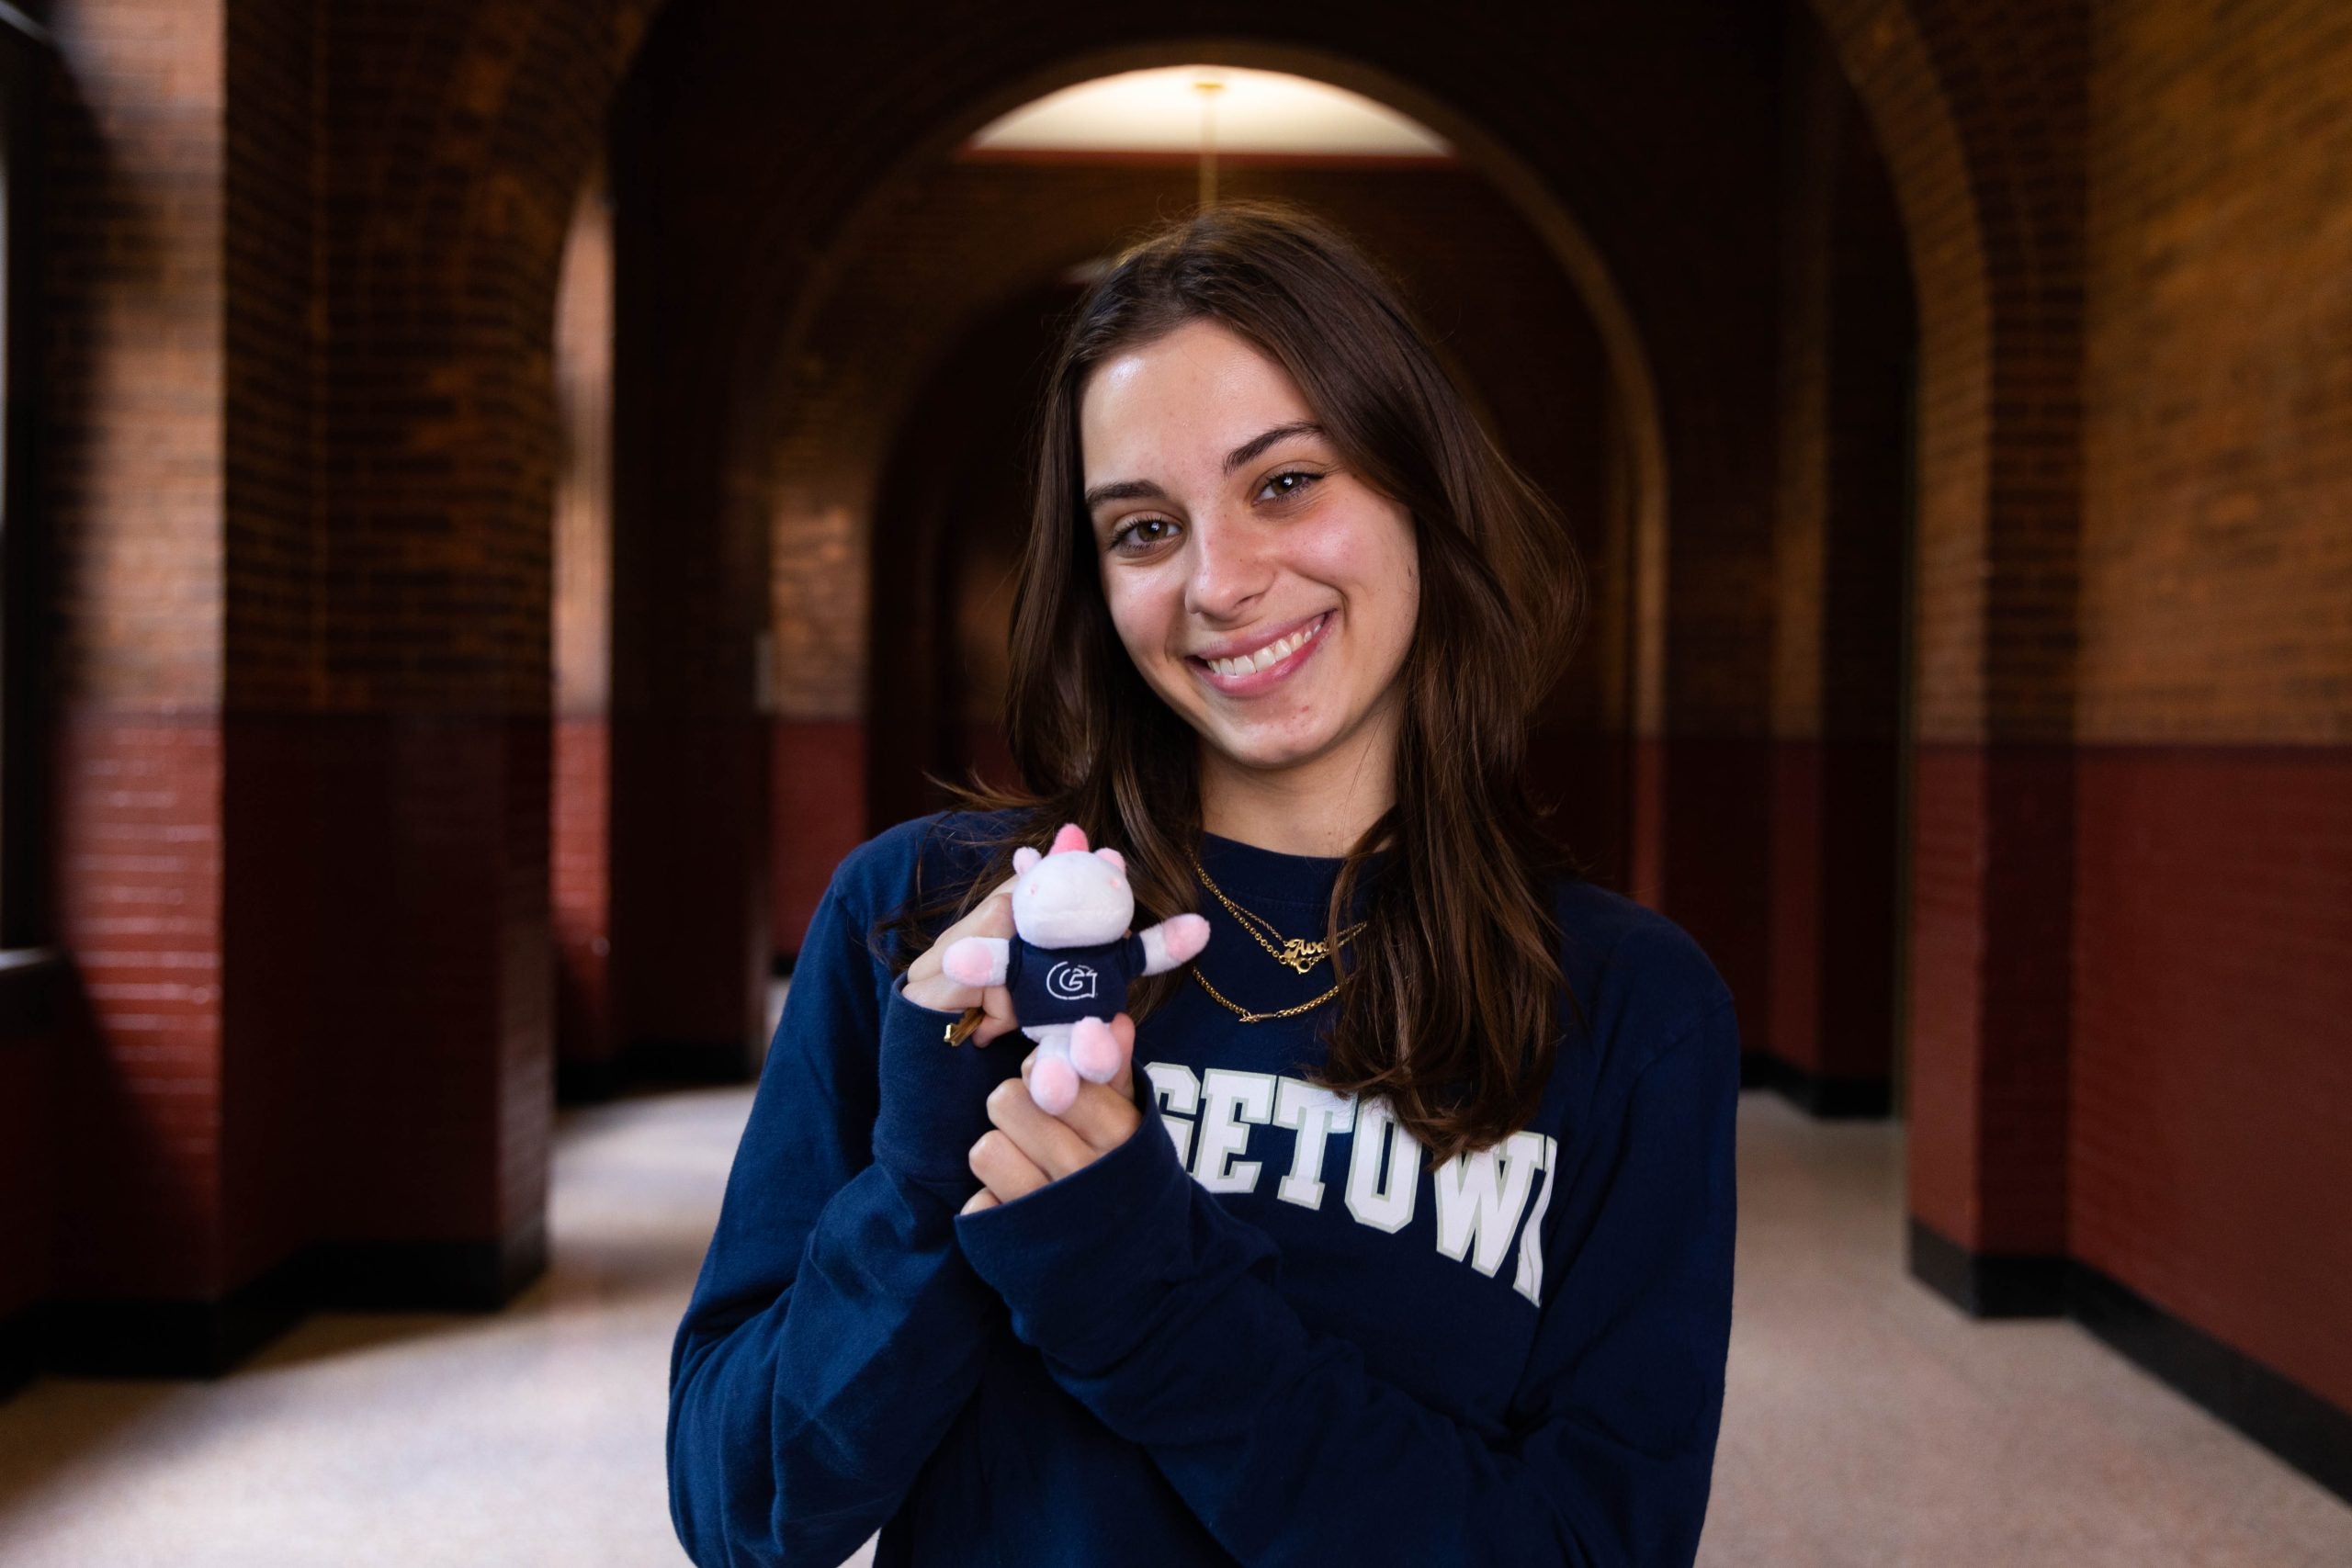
(1267, 753)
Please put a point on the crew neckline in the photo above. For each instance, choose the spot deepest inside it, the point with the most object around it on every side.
(1245, 870)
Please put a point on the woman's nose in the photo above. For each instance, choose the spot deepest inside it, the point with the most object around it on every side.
(1230, 567)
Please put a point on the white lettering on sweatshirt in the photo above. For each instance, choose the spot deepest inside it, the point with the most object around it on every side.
(1481, 1197)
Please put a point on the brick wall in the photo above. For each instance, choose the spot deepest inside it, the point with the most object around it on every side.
(29, 1173)
(2212, 1081)
(300, 431)
(1843, 520)
(2217, 516)
(580, 890)
(137, 468)
(1977, 106)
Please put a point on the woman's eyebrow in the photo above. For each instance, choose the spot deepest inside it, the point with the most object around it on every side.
(1266, 438)
(1137, 490)
(1123, 490)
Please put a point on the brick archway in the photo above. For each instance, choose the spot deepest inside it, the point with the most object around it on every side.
(821, 524)
(1986, 158)
(772, 249)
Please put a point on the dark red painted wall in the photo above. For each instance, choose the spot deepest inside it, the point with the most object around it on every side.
(2212, 1083)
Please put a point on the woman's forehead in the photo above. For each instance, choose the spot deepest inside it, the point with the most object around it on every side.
(1179, 402)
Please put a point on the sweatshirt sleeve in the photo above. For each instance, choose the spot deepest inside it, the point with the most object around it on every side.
(1160, 1310)
(835, 1331)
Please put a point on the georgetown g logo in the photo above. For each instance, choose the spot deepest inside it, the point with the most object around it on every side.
(1070, 981)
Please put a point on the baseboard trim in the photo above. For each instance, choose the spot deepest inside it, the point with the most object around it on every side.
(2300, 1428)
(155, 1338)
(19, 1348)
(1820, 1095)
(694, 1061)
(164, 1338)
(2282, 1414)
(1987, 1284)
(418, 1276)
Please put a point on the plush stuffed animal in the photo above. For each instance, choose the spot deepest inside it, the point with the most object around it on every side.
(1069, 961)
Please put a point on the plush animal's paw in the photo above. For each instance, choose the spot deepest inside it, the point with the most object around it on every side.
(1094, 1050)
(1053, 1085)
(1186, 935)
(968, 961)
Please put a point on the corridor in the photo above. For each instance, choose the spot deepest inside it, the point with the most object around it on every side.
(501, 499)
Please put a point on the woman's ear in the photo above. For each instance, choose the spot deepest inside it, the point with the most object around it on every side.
(1025, 857)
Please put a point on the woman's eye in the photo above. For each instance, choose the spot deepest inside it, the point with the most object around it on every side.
(1139, 535)
(1119, 535)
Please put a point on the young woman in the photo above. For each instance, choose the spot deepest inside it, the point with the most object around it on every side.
(1406, 1235)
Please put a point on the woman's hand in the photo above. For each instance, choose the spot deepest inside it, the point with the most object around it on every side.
(928, 986)
(1028, 1147)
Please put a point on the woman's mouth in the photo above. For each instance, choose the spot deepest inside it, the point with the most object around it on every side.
(1248, 674)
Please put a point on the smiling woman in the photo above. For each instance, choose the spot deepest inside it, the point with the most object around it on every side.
(1265, 592)
(1403, 1234)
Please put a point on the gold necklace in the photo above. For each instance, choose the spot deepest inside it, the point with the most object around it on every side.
(1299, 955)
(1248, 1017)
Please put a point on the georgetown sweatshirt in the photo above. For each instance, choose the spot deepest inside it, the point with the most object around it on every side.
(1257, 1331)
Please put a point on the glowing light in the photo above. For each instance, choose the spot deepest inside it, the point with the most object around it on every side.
(1257, 111)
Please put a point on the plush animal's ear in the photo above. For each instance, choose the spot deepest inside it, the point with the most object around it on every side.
(1118, 862)
(1071, 837)
(1023, 857)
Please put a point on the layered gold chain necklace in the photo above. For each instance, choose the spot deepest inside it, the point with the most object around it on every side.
(1298, 954)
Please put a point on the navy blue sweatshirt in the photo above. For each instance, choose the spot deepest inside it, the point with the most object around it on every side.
(1257, 1331)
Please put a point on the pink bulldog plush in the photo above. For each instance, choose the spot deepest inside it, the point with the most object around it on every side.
(1069, 962)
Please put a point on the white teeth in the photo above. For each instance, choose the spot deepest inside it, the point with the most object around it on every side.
(1272, 653)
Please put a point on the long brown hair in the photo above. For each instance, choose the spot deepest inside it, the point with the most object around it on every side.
(1447, 1001)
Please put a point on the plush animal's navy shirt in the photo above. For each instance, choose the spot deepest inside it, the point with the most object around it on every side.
(1258, 1331)
(1062, 985)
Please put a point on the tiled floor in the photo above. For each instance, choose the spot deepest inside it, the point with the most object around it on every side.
(1868, 1424)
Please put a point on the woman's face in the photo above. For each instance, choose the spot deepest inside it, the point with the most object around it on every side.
(1265, 593)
